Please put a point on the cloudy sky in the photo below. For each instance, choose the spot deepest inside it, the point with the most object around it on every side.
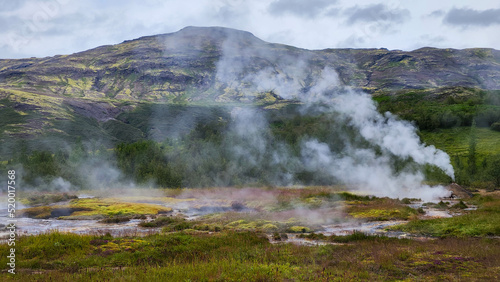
(42, 28)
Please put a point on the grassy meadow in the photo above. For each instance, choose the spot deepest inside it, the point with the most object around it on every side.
(249, 256)
(252, 246)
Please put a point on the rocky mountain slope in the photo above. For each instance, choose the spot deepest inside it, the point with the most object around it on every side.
(73, 94)
(163, 67)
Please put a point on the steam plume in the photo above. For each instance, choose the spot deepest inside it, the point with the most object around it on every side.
(367, 161)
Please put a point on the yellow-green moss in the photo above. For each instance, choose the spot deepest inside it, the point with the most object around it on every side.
(117, 245)
(265, 225)
(374, 213)
(298, 229)
(36, 212)
(111, 207)
(268, 227)
(402, 213)
(98, 208)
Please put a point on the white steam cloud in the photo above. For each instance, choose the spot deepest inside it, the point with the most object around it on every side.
(369, 168)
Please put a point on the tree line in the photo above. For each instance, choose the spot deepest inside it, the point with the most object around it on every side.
(213, 154)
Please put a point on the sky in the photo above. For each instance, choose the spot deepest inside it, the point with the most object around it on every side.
(40, 28)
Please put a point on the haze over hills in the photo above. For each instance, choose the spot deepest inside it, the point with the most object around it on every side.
(209, 65)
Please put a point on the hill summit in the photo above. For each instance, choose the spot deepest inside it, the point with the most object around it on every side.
(183, 65)
(86, 92)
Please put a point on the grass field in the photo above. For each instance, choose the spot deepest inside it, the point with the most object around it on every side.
(485, 221)
(249, 256)
(237, 247)
(455, 141)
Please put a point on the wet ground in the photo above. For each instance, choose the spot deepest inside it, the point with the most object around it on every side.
(193, 210)
(377, 228)
(31, 226)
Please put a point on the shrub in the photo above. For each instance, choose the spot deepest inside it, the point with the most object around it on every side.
(460, 205)
(118, 219)
(495, 126)
(494, 170)
(299, 229)
(160, 221)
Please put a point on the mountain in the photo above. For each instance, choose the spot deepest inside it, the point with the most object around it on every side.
(162, 67)
(96, 92)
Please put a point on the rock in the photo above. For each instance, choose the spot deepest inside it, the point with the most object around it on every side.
(458, 191)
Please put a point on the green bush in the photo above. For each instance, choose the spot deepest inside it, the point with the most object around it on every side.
(495, 126)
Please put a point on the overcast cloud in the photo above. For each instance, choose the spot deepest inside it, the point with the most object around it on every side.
(377, 13)
(301, 8)
(466, 17)
(49, 27)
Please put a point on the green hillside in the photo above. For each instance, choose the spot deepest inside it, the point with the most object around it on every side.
(168, 89)
(456, 141)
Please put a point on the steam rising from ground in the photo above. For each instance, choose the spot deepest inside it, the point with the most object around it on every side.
(377, 153)
(369, 167)
(86, 165)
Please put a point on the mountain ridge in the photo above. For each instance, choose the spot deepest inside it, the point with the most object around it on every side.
(165, 64)
(184, 68)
